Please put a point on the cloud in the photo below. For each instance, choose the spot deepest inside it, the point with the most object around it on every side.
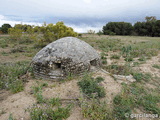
(4, 20)
(79, 12)
(87, 1)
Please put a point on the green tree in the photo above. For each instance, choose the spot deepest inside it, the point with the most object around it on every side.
(5, 28)
(118, 28)
(147, 28)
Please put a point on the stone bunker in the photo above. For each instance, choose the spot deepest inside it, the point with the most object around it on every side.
(64, 56)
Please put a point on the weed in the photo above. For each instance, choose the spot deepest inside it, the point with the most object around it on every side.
(10, 117)
(135, 96)
(25, 40)
(115, 56)
(103, 58)
(119, 69)
(142, 76)
(55, 101)
(17, 86)
(4, 53)
(18, 49)
(104, 62)
(99, 79)
(90, 87)
(40, 98)
(149, 102)
(136, 64)
(95, 110)
(47, 113)
(156, 66)
(37, 90)
(128, 59)
(4, 42)
(104, 54)
(142, 58)
(10, 75)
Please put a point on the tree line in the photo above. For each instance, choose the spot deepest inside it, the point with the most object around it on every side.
(150, 27)
(41, 35)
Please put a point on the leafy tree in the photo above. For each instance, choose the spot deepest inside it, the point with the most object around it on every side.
(118, 28)
(148, 28)
(5, 28)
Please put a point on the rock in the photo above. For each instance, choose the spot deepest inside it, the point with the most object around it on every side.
(125, 79)
(64, 56)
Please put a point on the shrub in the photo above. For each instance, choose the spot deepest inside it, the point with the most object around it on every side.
(53, 32)
(15, 33)
(90, 87)
(5, 28)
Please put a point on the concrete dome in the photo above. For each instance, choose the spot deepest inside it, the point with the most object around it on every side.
(64, 56)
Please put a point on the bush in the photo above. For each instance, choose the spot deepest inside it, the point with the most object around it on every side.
(53, 32)
(15, 33)
(5, 28)
(90, 87)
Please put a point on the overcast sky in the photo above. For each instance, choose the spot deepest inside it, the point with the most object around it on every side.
(82, 15)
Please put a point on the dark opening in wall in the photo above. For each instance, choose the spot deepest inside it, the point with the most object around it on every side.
(93, 62)
(58, 65)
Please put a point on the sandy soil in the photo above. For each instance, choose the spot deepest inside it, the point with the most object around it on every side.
(147, 67)
(19, 102)
(16, 104)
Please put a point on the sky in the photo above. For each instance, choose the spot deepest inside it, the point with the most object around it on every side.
(81, 15)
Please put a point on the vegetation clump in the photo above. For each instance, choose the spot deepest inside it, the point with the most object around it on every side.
(91, 88)
(47, 109)
(10, 75)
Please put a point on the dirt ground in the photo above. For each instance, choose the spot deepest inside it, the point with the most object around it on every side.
(17, 104)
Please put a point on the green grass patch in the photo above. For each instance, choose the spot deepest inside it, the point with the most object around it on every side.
(95, 110)
(48, 113)
(156, 66)
(135, 96)
(115, 56)
(10, 75)
(119, 69)
(47, 109)
(142, 76)
(90, 87)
